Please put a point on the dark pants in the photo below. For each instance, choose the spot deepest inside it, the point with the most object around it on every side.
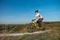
(39, 21)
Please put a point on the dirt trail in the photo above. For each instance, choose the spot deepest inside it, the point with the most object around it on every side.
(21, 34)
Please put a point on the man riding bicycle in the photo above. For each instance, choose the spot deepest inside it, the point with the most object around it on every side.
(39, 18)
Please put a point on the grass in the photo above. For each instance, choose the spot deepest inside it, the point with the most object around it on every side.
(52, 35)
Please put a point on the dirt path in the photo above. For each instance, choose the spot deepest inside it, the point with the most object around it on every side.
(20, 34)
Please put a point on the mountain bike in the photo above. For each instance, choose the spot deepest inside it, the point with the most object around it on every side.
(34, 26)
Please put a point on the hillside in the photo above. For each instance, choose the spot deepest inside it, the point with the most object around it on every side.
(51, 35)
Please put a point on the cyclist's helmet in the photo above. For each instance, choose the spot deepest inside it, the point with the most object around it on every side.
(36, 11)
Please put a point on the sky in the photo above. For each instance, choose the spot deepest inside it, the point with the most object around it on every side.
(23, 11)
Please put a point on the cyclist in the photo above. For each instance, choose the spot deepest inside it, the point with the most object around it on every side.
(39, 18)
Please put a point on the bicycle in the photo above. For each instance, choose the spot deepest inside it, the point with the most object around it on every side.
(34, 26)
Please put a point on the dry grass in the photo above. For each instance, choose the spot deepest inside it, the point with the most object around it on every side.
(52, 35)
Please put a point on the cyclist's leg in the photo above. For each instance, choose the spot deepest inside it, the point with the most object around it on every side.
(40, 24)
(39, 21)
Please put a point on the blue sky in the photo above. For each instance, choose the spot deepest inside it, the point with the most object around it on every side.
(22, 11)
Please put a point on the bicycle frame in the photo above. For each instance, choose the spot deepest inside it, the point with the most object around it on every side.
(34, 24)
